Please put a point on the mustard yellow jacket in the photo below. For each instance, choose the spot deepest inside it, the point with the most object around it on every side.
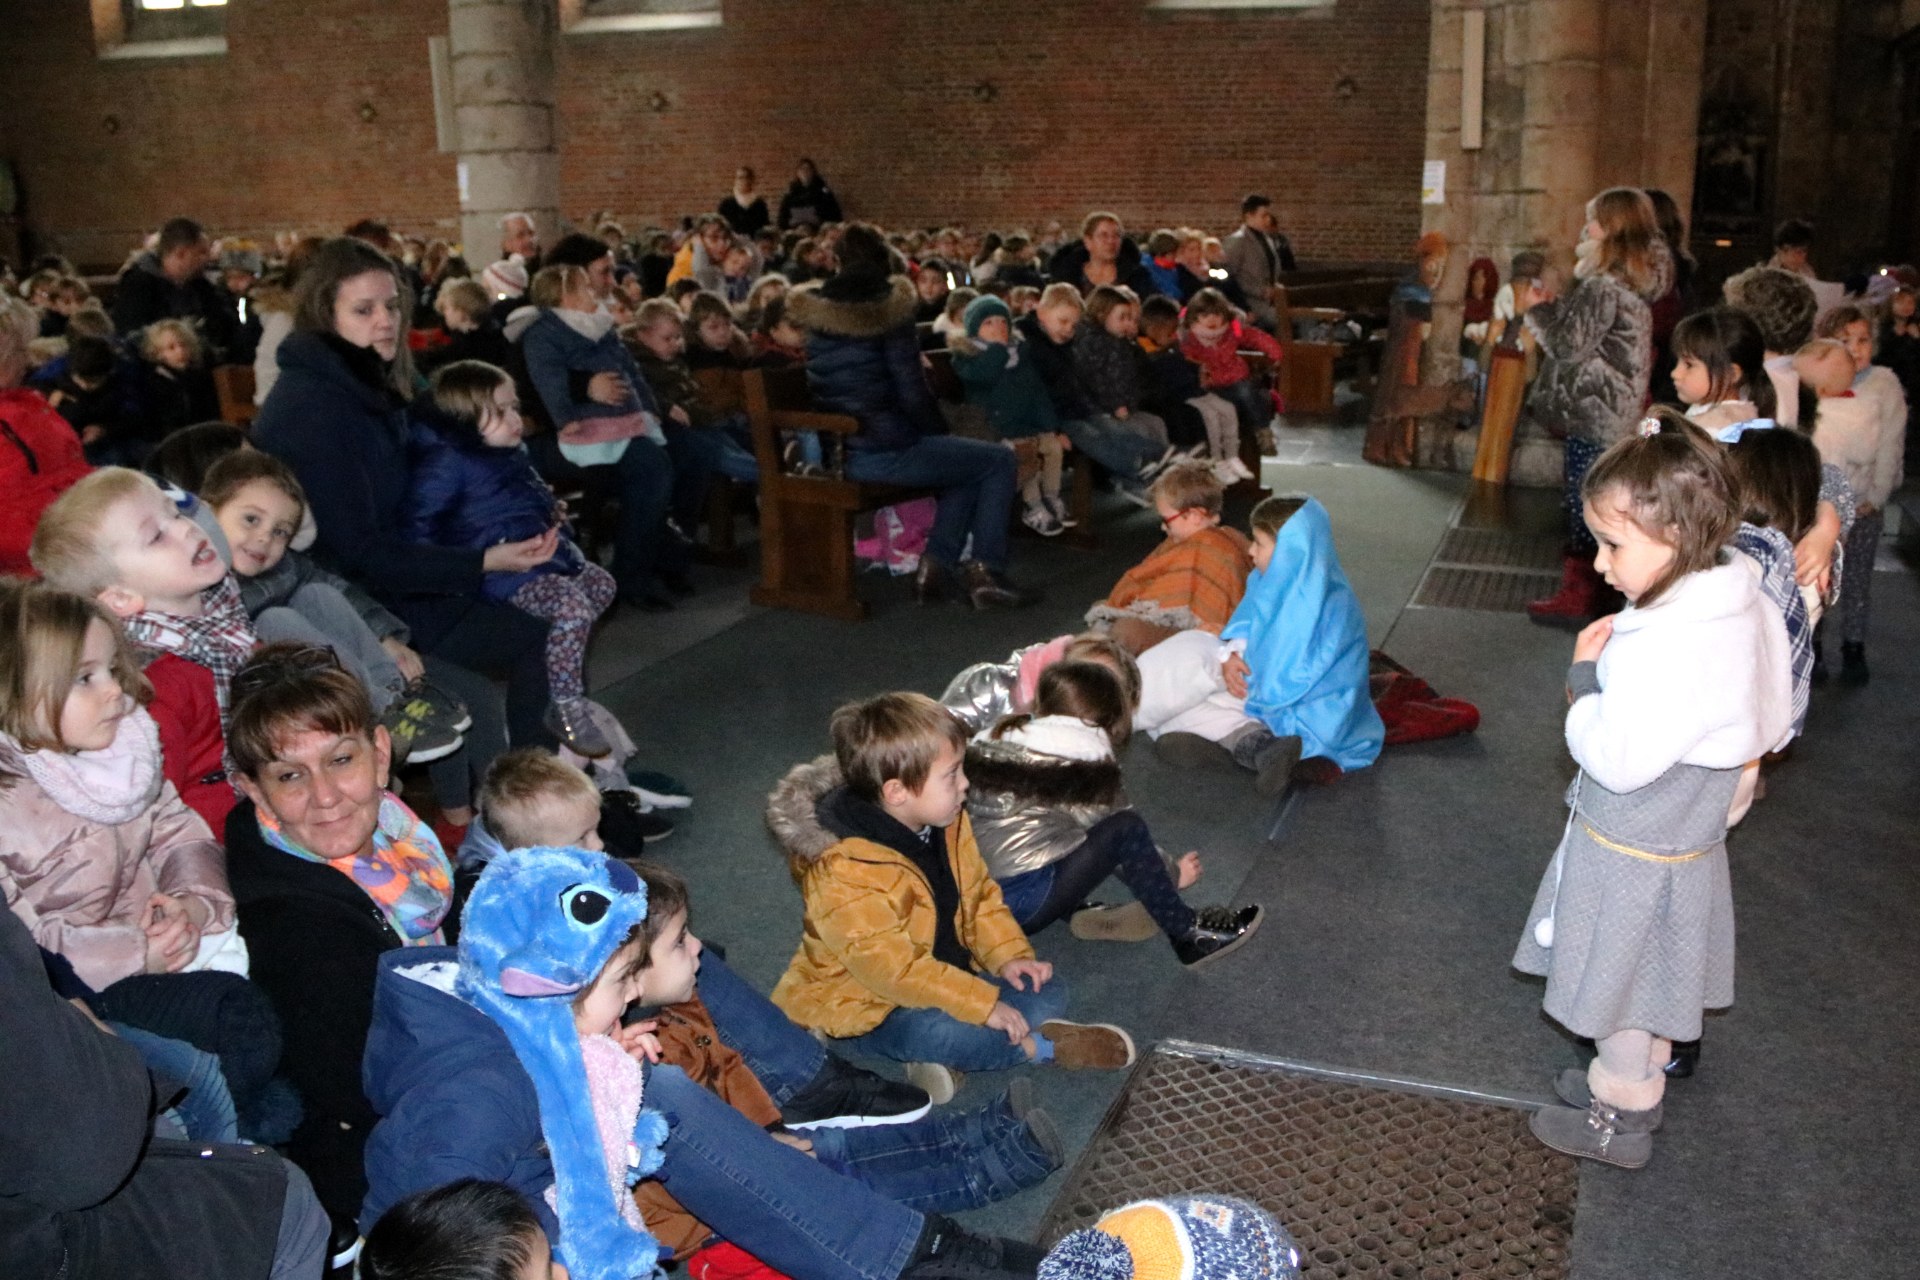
(866, 946)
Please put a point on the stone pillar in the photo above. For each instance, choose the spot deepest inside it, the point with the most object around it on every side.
(1579, 95)
(502, 54)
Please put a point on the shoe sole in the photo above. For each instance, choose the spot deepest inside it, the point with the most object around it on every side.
(1046, 1135)
(1273, 779)
(1253, 927)
(1128, 922)
(427, 755)
(1191, 751)
(1581, 1154)
(1060, 1030)
(866, 1122)
(939, 1082)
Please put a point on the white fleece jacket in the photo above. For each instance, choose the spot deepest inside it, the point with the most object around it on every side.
(1700, 677)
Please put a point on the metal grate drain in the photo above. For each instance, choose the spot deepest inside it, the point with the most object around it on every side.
(1371, 1181)
(1488, 590)
(1500, 548)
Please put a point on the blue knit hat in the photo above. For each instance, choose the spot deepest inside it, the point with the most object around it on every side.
(1194, 1237)
(982, 309)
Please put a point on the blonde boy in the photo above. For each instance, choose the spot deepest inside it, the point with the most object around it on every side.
(908, 950)
(117, 538)
(1193, 580)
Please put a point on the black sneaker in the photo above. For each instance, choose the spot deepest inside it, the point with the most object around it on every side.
(842, 1096)
(948, 1251)
(420, 731)
(1217, 931)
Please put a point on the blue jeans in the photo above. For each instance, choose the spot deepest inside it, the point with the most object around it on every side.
(1119, 845)
(782, 1055)
(794, 1213)
(976, 484)
(207, 1110)
(735, 452)
(1109, 442)
(647, 479)
(947, 1162)
(934, 1035)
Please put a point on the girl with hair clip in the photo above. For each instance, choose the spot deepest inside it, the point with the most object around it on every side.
(1669, 699)
(1052, 821)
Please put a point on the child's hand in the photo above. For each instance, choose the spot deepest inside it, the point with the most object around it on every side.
(1592, 639)
(1234, 671)
(173, 933)
(411, 668)
(679, 414)
(608, 388)
(518, 557)
(1813, 555)
(1066, 445)
(92, 435)
(803, 1145)
(1010, 1020)
(1039, 970)
(638, 1040)
(1187, 871)
(1121, 413)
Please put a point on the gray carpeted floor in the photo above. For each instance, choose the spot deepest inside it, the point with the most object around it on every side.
(1395, 896)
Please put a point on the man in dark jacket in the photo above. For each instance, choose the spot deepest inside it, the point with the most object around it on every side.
(167, 282)
(85, 1190)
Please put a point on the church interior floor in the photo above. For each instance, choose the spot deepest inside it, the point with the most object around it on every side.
(1395, 896)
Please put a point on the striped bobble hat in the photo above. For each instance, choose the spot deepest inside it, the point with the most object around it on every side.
(1193, 1237)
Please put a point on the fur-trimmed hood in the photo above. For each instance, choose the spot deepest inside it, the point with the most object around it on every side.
(812, 310)
(1006, 771)
(791, 808)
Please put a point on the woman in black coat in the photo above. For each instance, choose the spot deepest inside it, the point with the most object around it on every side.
(744, 208)
(809, 203)
(338, 416)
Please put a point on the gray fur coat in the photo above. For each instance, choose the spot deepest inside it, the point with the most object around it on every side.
(1596, 345)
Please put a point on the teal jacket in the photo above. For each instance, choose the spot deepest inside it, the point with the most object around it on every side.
(1008, 388)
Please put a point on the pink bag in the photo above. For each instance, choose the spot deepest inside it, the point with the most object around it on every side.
(899, 536)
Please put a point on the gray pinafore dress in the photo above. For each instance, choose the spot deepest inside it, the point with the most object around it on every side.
(1640, 905)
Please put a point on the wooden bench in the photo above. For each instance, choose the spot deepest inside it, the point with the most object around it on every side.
(234, 385)
(806, 522)
(723, 494)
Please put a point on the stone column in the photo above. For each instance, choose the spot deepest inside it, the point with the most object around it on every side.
(502, 53)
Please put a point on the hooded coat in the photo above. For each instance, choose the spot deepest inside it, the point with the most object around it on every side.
(40, 458)
(1034, 793)
(1002, 384)
(868, 935)
(863, 359)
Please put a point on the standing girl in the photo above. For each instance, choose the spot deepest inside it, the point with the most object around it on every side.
(1670, 698)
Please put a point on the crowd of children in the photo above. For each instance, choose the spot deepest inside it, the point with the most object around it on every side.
(143, 726)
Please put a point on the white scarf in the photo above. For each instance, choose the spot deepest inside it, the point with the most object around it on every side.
(110, 786)
(591, 325)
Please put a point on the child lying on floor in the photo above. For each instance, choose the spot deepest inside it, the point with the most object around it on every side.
(1286, 679)
(1192, 581)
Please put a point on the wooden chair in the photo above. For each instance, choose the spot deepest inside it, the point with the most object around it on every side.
(234, 384)
(806, 522)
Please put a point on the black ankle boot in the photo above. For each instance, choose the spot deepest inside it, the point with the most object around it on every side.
(1686, 1054)
(989, 590)
(932, 582)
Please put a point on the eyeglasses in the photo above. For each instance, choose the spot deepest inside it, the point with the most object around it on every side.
(276, 663)
(1167, 523)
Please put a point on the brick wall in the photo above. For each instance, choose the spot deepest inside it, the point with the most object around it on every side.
(1161, 118)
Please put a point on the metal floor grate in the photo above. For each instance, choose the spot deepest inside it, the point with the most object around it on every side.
(1488, 590)
(1372, 1181)
(1500, 548)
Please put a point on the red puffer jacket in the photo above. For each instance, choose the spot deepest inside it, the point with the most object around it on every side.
(39, 458)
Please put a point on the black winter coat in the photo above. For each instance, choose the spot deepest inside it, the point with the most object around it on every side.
(808, 204)
(1057, 369)
(863, 359)
(144, 294)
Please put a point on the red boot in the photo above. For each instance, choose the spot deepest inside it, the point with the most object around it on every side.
(1576, 603)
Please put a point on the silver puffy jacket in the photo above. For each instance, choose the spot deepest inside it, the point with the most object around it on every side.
(983, 693)
(1029, 809)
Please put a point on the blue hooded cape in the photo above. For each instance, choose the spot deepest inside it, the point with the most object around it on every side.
(1307, 646)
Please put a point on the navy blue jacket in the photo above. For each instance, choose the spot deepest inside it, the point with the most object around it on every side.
(554, 349)
(1057, 368)
(466, 493)
(863, 359)
(346, 439)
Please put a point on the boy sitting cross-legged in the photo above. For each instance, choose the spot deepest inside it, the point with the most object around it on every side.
(908, 950)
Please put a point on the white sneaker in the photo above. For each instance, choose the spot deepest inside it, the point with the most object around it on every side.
(1224, 473)
(1240, 469)
(939, 1081)
(1058, 506)
(1042, 521)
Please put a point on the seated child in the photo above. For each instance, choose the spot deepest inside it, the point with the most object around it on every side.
(1133, 456)
(908, 950)
(682, 293)
(548, 1093)
(117, 538)
(259, 505)
(472, 332)
(1286, 678)
(568, 336)
(474, 485)
(986, 692)
(658, 340)
(179, 386)
(931, 282)
(1866, 440)
(1053, 821)
(713, 340)
(765, 290)
(736, 273)
(95, 396)
(1192, 581)
(1107, 359)
(1193, 414)
(1022, 299)
(987, 359)
(778, 343)
(952, 319)
(465, 1230)
(1214, 334)
(101, 859)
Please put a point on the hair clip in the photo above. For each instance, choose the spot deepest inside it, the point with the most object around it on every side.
(1649, 426)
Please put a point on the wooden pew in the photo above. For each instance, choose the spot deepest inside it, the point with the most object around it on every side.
(723, 386)
(1306, 375)
(234, 384)
(806, 522)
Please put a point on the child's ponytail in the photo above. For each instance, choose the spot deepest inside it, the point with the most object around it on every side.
(1721, 338)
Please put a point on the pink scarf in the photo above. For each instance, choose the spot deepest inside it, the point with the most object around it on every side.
(113, 785)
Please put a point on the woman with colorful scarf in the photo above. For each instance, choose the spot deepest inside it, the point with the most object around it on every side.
(330, 871)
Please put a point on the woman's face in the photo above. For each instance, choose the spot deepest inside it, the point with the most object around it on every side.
(1103, 242)
(324, 789)
(366, 312)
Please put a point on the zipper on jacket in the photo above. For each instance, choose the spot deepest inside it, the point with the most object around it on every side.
(33, 462)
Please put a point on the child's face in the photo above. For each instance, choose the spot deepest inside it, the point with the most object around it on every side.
(1209, 330)
(1058, 323)
(1630, 559)
(1193, 256)
(736, 262)
(1123, 322)
(788, 334)
(539, 1265)
(579, 297)
(685, 302)
(1857, 338)
(633, 290)
(932, 286)
(665, 339)
(1183, 524)
(716, 333)
(238, 281)
(938, 801)
(619, 308)
(673, 964)
(1262, 549)
(161, 559)
(259, 521)
(598, 1012)
(1692, 380)
(457, 320)
(96, 703)
(171, 352)
(1903, 304)
(1160, 332)
(994, 329)
(1827, 371)
(501, 426)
